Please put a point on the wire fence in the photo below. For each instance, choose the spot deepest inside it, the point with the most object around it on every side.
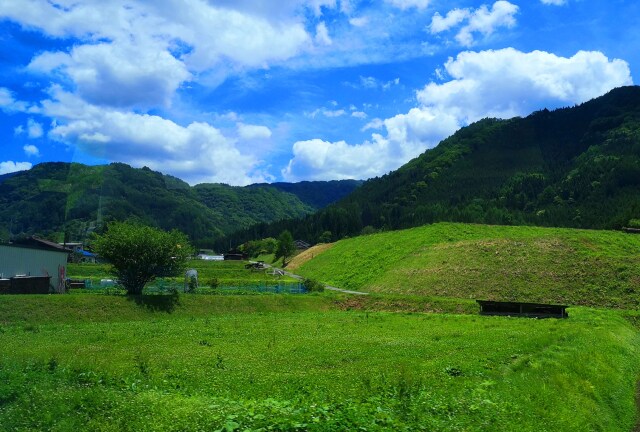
(161, 286)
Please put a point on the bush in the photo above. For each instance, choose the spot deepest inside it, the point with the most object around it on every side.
(313, 285)
(214, 283)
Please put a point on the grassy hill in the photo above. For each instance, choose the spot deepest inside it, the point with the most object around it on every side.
(552, 265)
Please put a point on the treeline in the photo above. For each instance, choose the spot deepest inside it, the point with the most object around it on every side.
(573, 167)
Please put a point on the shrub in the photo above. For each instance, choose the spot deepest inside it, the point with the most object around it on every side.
(313, 285)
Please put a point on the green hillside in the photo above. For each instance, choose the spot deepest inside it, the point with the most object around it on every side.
(551, 265)
(52, 199)
(574, 167)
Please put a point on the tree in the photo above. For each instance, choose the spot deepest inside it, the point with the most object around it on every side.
(138, 253)
(286, 247)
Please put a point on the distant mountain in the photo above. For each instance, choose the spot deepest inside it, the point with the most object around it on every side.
(317, 194)
(573, 167)
(56, 198)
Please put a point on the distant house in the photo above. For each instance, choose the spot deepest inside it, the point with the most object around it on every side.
(81, 255)
(33, 266)
(207, 257)
(235, 255)
(301, 245)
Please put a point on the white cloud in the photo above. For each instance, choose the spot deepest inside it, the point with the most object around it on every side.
(359, 21)
(252, 132)
(359, 114)
(197, 152)
(322, 34)
(503, 83)
(31, 150)
(8, 103)
(408, 4)
(122, 74)
(507, 82)
(334, 113)
(373, 83)
(554, 2)
(452, 19)
(136, 53)
(34, 129)
(482, 20)
(18, 130)
(10, 166)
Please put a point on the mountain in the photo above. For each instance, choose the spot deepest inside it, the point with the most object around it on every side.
(317, 194)
(573, 167)
(55, 198)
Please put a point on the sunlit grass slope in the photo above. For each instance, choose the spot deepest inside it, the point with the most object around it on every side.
(308, 369)
(580, 267)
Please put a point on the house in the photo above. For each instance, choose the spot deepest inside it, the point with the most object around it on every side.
(302, 245)
(33, 266)
(79, 253)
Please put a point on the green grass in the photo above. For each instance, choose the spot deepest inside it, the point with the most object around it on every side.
(578, 267)
(298, 365)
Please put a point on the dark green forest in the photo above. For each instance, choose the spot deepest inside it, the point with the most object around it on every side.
(70, 200)
(572, 167)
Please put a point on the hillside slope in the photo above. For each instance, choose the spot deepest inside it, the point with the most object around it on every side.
(56, 198)
(551, 265)
(573, 167)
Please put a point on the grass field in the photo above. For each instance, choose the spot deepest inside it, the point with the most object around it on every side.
(413, 355)
(297, 363)
(578, 267)
(225, 273)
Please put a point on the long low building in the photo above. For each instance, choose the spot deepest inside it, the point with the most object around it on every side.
(26, 266)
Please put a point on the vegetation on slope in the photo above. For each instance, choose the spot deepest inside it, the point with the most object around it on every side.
(574, 167)
(551, 265)
(61, 199)
(105, 367)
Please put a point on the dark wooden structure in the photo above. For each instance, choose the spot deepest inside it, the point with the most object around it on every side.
(530, 310)
(631, 230)
(25, 285)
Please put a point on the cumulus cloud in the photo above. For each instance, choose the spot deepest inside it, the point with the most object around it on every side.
(34, 129)
(359, 114)
(31, 150)
(482, 20)
(136, 53)
(252, 132)
(502, 83)
(10, 166)
(123, 74)
(197, 152)
(506, 83)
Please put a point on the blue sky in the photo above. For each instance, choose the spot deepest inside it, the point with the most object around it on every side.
(244, 91)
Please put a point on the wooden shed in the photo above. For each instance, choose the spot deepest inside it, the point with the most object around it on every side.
(531, 310)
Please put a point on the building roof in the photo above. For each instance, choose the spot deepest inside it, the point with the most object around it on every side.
(39, 243)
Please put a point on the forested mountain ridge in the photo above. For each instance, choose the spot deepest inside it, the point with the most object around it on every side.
(55, 198)
(572, 167)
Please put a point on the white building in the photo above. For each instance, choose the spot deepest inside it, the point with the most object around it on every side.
(34, 258)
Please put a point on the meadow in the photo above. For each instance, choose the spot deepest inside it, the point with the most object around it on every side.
(284, 362)
(413, 355)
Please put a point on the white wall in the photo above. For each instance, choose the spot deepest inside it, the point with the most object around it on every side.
(34, 262)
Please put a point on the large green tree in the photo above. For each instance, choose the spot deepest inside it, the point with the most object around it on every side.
(138, 253)
(286, 247)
